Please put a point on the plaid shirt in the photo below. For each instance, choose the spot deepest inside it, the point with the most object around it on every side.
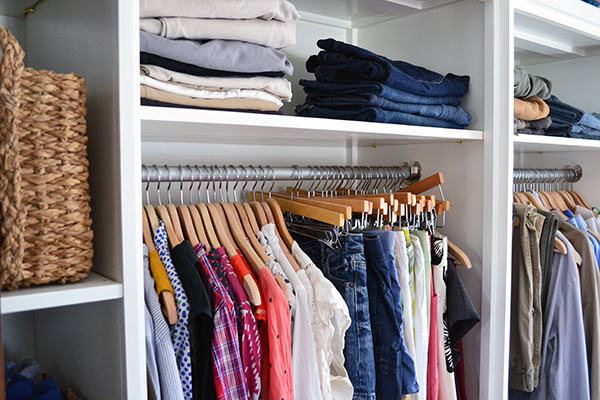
(230, 381)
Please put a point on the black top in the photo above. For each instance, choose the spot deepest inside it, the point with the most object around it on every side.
(460, 315)
(200, 323)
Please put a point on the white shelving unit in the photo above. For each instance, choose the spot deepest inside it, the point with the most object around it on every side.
(91, 333)
(94, 288)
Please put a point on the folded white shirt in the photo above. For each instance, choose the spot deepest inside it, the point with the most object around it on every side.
(209, 94)
(280, 10)
(280, 87)
(274, 34)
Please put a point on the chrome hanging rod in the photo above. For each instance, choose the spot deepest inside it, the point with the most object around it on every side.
(530, 175)
(216, 173)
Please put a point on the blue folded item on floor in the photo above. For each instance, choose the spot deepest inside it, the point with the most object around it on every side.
(21, 388)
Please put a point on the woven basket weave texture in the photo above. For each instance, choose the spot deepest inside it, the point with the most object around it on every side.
(45, 223)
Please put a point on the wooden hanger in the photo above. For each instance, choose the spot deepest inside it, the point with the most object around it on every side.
(259, 213)
(321, 202)
(579, 199)
(309, 211)
(282, 244)
(251, 217)
(175, 221)
(232, 212)
(174, 239)
(425, 184)
(188, 225)
(568, 199)
(152, 218)
(248, 281)
(167, 300)
(545, 201)
(232, 217)
(280, 223)
(208, 226)
(534, 201)
(226, 226)
(357, 205)
(198, 225)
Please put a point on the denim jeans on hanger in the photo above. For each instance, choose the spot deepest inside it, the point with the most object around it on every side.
(345, 63)
(396, 371)
(379, 89)
(452, 114)
(346, 269)
(373, 114)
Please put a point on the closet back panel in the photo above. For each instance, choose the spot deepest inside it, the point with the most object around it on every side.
(81, 37)
(588, 185)
(447, 39)
(573, 81)
(75, 347)
(462, 166)
(307, 34)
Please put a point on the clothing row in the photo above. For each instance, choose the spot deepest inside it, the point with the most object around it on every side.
(216, 54)
(330, 323)
(555, 304)
(539, 112)
(356, 84)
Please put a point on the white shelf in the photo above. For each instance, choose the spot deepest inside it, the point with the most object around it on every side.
(549, 30)
(207, 126)
(91, 289)
(551, 144)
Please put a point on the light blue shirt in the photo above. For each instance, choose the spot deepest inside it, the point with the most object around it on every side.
(164, 353)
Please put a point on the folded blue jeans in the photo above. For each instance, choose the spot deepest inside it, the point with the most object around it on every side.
(373, 114)
(455, 115)
(387, 92)
(396, 372)
(346, 268)
(354, 64)
(564, 112)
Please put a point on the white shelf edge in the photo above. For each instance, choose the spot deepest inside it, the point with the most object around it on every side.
(572, 15)
(288, 126)
(572, 28)
(91, 289)
(535, 144)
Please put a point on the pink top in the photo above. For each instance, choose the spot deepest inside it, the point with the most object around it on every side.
(277, 371)
(432, 360)
(250, 344)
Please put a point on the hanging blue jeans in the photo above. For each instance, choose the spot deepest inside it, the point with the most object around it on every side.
(347, 270)
(396, 373)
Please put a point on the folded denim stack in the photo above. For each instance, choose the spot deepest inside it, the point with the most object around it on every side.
(570, 121)
(355, 84)
(219, 54)
(531, 110)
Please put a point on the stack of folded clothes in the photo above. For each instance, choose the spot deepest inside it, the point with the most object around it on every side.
(531, 110)
(570, 121)
(355, 84)
(219, 54)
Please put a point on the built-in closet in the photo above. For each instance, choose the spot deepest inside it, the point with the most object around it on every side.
(89, 335)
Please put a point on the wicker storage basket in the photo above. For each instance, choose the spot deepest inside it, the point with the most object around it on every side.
(45, 224)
